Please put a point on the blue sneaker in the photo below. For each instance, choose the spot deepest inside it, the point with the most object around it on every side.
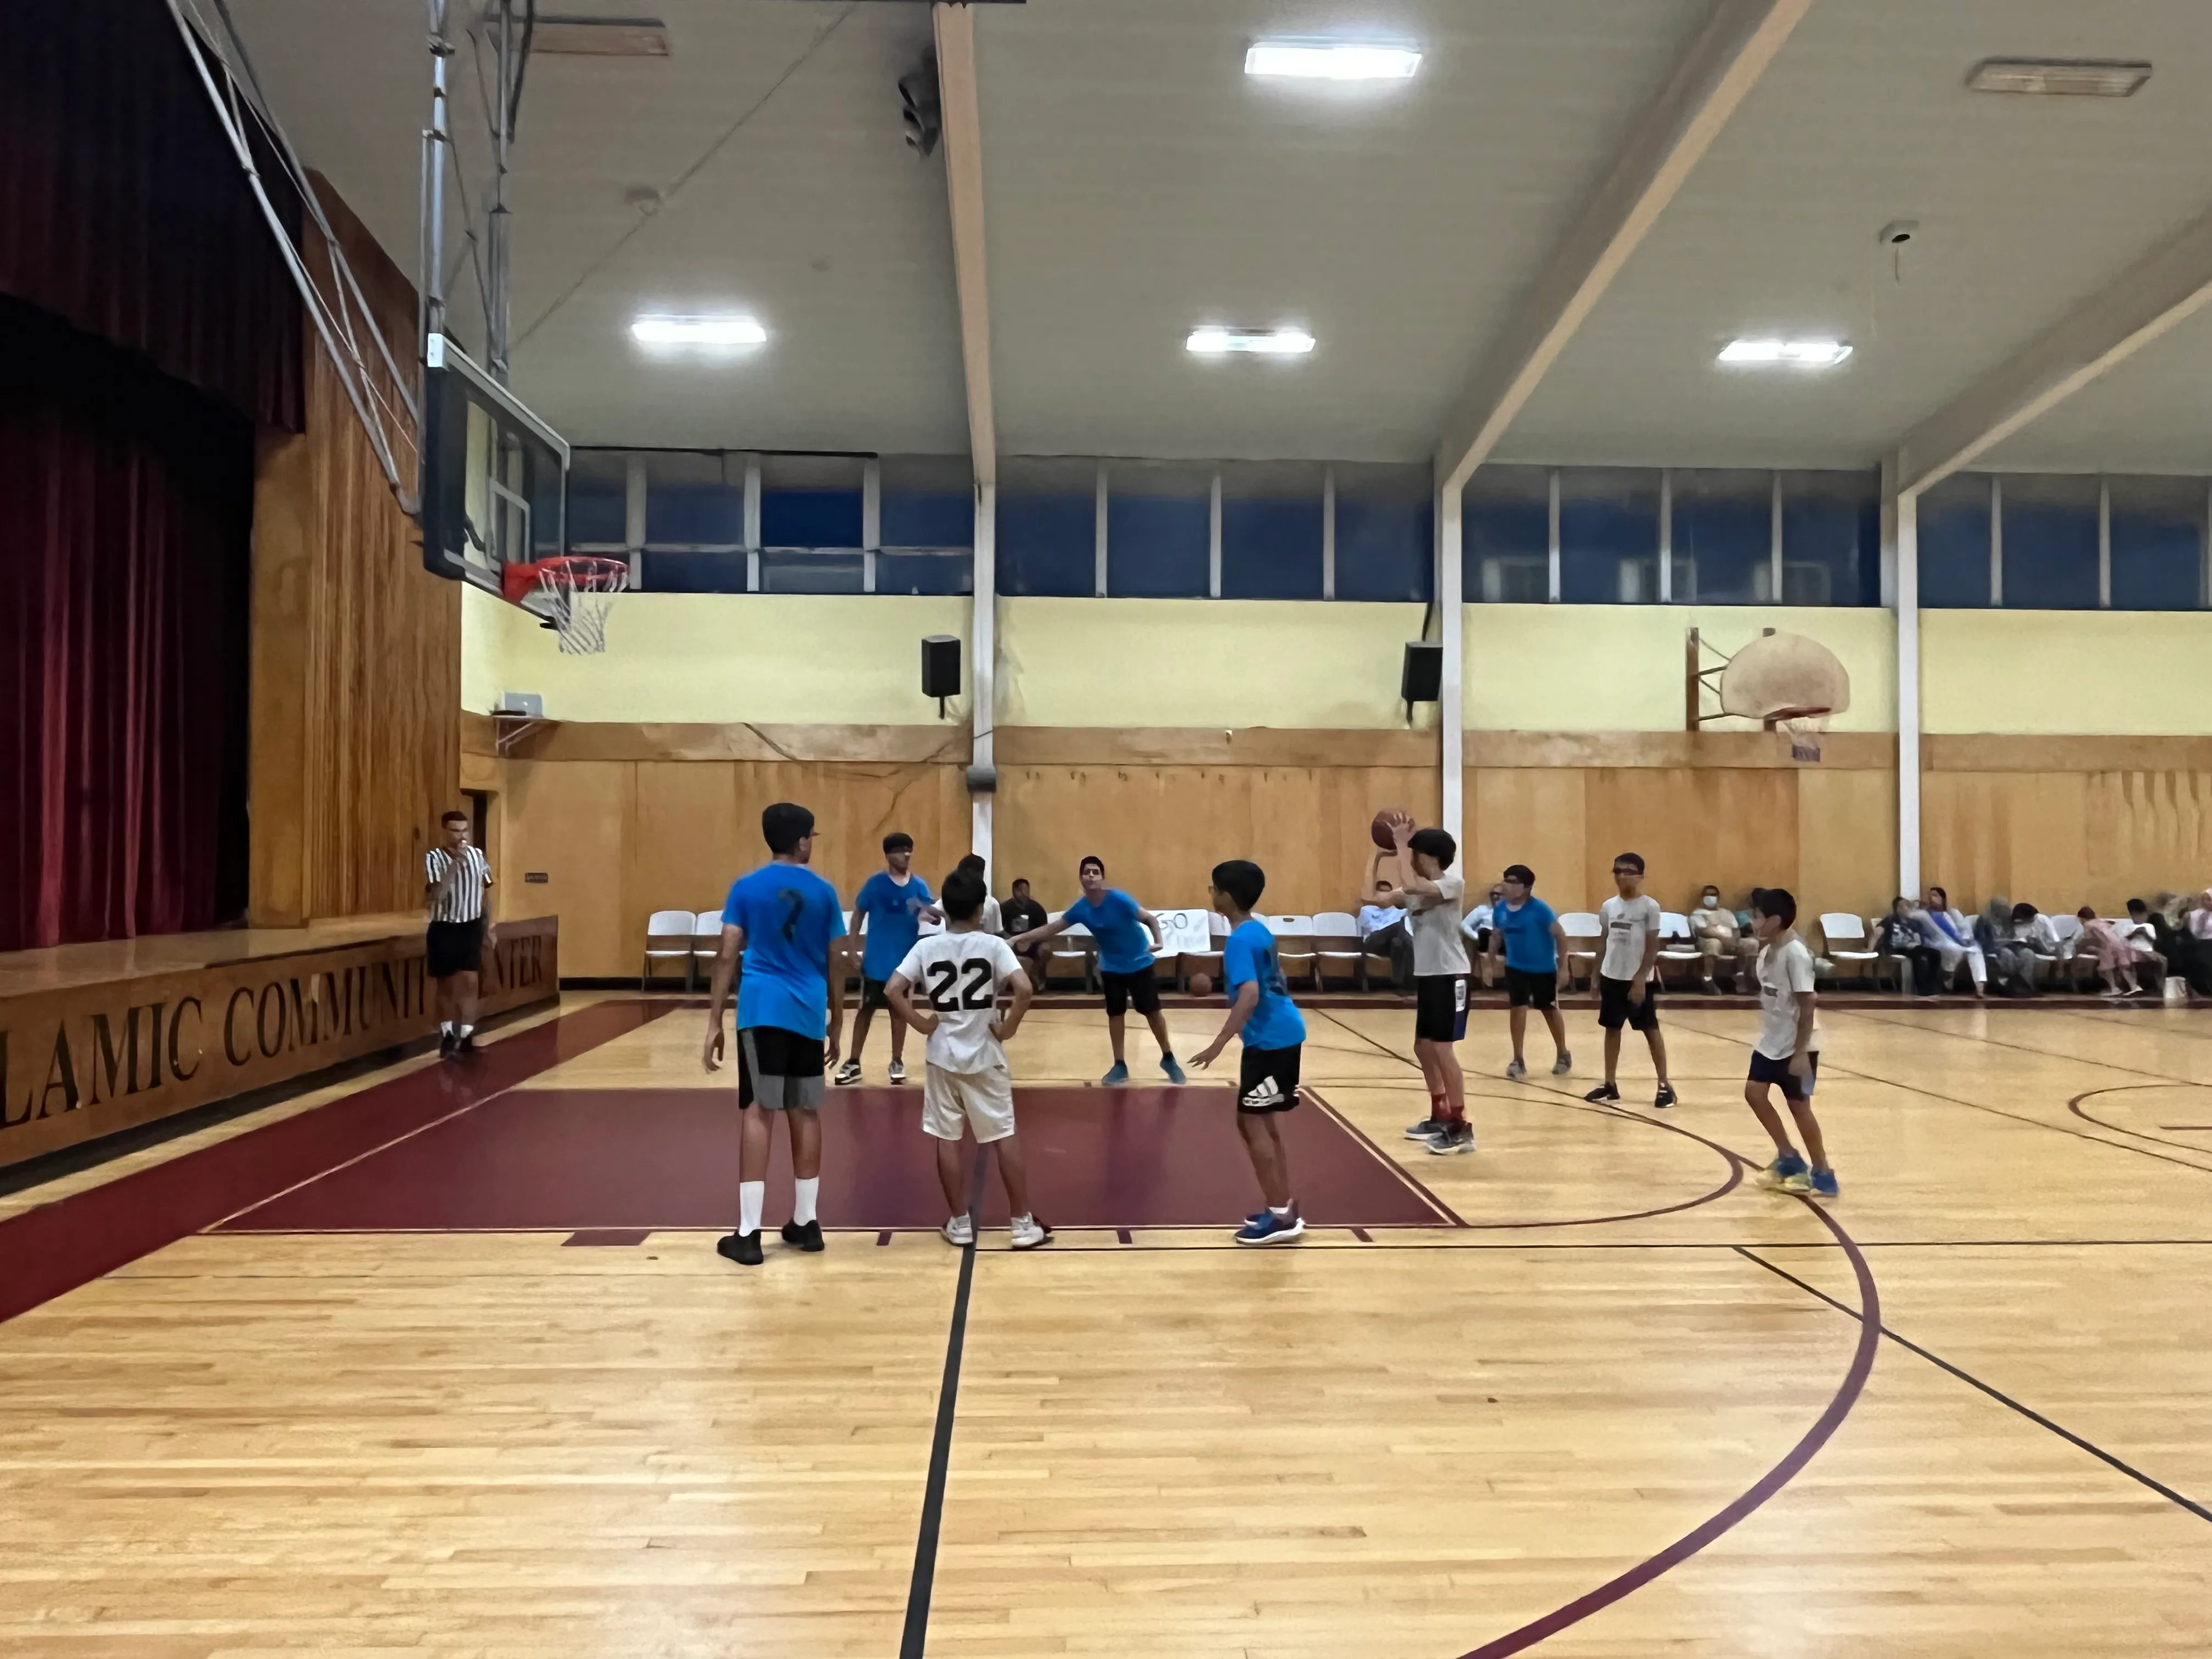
(1119, 1075)
(1776, 1177)
(1172, 1068)
(1824, 1184)
(1269, 1227)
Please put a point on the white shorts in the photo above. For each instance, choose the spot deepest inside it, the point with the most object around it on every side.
(953, 1100)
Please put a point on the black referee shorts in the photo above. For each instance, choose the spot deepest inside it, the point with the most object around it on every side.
(454, 947)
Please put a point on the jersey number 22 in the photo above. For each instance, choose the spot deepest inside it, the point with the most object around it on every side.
(977, 993)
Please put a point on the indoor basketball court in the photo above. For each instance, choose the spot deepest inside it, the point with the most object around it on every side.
(728, 725)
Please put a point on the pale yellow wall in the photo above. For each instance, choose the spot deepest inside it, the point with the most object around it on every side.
(833, 660)
(1223, 663)
(2070, 671)
(1619, 667)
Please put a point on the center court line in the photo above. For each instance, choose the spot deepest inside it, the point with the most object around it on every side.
(2002, 1398)
(914, 1638)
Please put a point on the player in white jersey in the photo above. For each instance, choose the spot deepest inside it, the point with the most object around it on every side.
(1787, 1053)
(948, 989)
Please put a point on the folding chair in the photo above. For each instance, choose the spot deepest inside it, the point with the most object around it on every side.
(1583, 931)
(668, 938)
(1845, 937)
(1336, 944)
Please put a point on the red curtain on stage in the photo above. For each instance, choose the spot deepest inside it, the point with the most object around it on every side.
(147, 325)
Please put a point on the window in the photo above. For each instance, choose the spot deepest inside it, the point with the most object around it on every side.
(1505, 536)
(1271, 530)
(1723, 537)
(598, 485)
(2158, 527)
(692, 573)
(1159, 530)
(1048, 526)
(791, 570)
(810, 500)
(1955, 543)
(1385, 531)
(1830, 539)
(2049, 528)
(1608, 535)
(927, 501)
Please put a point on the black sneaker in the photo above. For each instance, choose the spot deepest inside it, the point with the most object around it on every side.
(1666, 1096)
(1602, 1093)
(743, 1249)
(1455, 1137)
(445, 1042)
(466, 1045)
(808, 1237)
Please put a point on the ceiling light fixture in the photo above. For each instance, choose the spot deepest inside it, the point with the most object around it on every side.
(1271, 343)
(1804, 353)
(697, 331)
(1332, 61)
(2060, 77)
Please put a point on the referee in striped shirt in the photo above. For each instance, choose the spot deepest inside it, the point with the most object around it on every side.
(458, 885)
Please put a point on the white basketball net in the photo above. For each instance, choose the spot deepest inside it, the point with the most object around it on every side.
(575, 595)
(1804, 731)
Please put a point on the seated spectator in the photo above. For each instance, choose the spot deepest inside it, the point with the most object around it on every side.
(1953, 936)
(1719, 938)
(1382, 927)
(1018, 914)
(2186, 943)
(2116, 957)
(1476, 926)
(1899, 936)
(2010, 960)
(2138, 926)
(2040, 936)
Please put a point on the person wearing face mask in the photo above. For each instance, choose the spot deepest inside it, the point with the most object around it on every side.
(1718, 939)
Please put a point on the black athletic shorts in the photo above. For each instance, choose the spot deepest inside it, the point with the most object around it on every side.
(1528, 989)
(1269, 1080)
(1440, 1007)
(1777, 1072)
(779, 1069)
(1139, 990)
(1615, 1010)
(454, 947)
(871, 994)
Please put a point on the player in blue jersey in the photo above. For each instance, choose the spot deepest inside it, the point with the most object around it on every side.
(888, 912)
(1128, 937)
(784, 920)
(1259, 1011)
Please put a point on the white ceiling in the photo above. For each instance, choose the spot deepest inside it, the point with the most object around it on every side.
(1136, 184)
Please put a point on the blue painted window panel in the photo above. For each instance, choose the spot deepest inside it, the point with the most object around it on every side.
(692, 515)
(1385, 550)
(928, 519)
(1505, 530)
(1723, 537)
(1608, 536)
(1156, 546)
(1954, 544)
(810, 517)
(1047, 546)
(597, 513)
(925, 572)
(1833, 520)
(1271, 549)
(2051, 544)
(694, 573)
(2158, 543)
(812, 573)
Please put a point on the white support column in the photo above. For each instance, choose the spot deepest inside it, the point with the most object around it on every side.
(1552, 542)
(872, 521)
(634, 488)
(1901, 514)
(1328, 532)
(1214, 539)
(2103, 543)
(1997, 539)
(1451, 610)
(983, 666)
(752, 531)
(1774, 537)
(1665, 535)
(1098, 537)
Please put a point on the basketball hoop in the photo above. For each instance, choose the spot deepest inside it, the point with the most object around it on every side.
(1804, 726)
(572, 593)
(1780, 680)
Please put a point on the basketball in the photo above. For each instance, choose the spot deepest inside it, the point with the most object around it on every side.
(1380, 830)
(1201, 985)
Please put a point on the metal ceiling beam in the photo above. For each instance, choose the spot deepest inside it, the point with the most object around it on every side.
(1740, 38)
(963, 177)
(2165, 286)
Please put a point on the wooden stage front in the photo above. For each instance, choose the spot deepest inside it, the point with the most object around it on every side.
(94, 1038)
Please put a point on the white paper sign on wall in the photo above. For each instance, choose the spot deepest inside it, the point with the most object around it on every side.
(1184, 933)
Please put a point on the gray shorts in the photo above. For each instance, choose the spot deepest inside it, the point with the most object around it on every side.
(779, 1070)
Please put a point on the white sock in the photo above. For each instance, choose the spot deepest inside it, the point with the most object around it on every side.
(463, 1030)
(803, 1194)
(446, 1027)
(1282, 1211)
(751, 1195)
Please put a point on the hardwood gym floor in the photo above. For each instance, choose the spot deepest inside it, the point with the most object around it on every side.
(1627, 1408)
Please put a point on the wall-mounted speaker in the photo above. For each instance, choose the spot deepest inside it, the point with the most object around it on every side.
(1423, 679)
(940, 668)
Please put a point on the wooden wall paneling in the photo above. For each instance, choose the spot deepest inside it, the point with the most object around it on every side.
(2146, 832)
(577, 821)
(2020, 834)
(1531, 815)
(1735, 827)
(1846, 840)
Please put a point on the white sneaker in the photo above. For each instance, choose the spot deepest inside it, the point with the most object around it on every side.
(847, 1074)
(960, 1230)
(1515, 1071)
(1563, 1065)
(898, 1071)
(1029, 1232)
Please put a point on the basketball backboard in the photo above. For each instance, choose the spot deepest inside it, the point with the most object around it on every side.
(495, 476)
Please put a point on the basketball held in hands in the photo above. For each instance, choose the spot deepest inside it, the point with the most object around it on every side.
(1380, 830)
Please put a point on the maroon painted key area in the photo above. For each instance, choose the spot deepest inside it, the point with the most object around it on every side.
(584, 1160)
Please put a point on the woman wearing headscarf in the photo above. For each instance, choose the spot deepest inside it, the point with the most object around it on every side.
(1953, 936)
(2011, 961)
